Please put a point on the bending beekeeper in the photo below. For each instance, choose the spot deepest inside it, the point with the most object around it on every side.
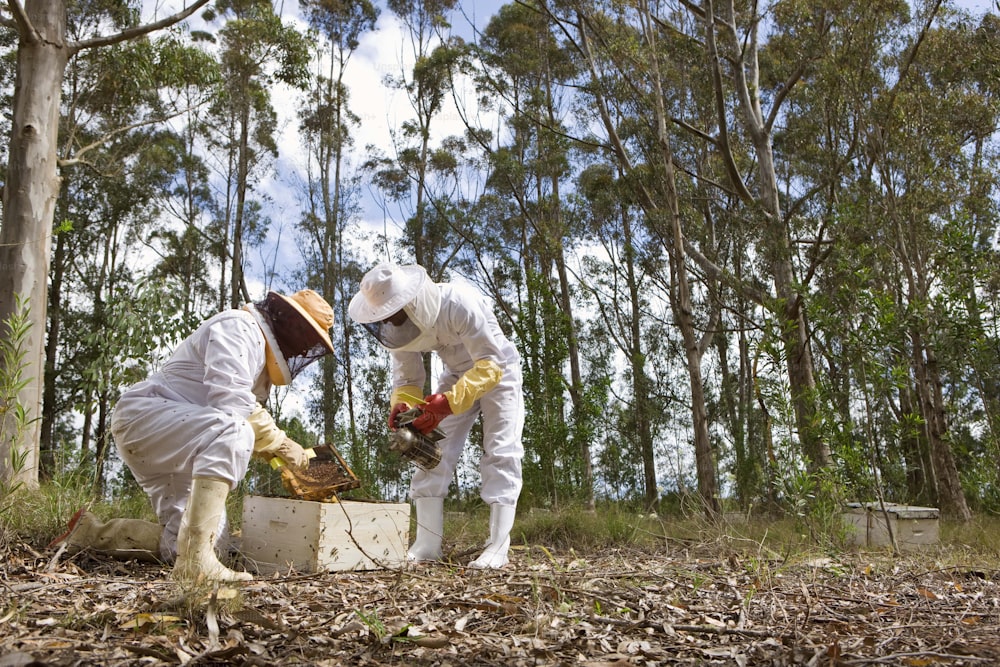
(188, 431)
(409, 314)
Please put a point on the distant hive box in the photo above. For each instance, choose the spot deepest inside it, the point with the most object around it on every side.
(913, 527)
(281, 534)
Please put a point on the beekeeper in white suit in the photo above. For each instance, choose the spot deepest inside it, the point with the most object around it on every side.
(188, 431)
(409, 314)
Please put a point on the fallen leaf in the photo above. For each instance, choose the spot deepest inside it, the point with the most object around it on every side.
(143, 619)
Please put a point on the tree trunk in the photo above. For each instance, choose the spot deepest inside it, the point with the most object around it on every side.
(928, 382)
(680, 292)
(641, 395)
(29, 199)
(46, 445)
(237, 289)
(581, 432)
(777, 245)
(919, 482)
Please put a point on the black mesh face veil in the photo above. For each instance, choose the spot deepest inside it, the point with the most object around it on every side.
(391, 336)
(297, 338)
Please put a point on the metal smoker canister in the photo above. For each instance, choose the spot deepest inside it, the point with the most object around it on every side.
(414, 445)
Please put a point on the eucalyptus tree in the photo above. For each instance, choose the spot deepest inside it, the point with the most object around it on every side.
(32, 184)
(331, 260)
(407, 179)
(617, 279)
(191, 236)
(920, 172)
(733, 39)
(971, 72)
(709, 117)
(634, 88)
(521, 76)
(109, 214)
(863, 146)
(258, 52)
(855, 145)
(723, 48)
(958, 75)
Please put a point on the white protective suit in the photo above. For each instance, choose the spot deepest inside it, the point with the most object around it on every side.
(190, 419)
(457, 322)
(466, 330)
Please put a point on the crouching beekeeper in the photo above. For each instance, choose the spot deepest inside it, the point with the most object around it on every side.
(188, 431)
(409, 314)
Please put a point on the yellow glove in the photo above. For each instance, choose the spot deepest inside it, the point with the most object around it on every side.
(267, 437)
(475, 382)
(292, 453)
(411, 392)
(402, 399)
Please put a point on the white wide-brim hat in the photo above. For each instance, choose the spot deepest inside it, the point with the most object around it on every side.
(384, 291)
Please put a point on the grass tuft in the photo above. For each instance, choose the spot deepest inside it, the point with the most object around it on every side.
(42, 514)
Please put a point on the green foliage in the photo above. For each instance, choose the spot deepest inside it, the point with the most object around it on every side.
(815, 501)
(14, 419)
(43, 514)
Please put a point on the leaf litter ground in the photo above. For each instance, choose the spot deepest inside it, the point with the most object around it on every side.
(683, 606)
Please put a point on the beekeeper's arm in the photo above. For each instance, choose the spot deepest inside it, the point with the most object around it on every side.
(270, 441)
(233, 357)
(408, 376)
(473, 328)
(474, 383)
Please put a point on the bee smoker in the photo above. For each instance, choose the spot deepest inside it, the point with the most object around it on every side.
(412, 444)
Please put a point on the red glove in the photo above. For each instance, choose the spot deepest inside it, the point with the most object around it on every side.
(394, 413)
(434, 409)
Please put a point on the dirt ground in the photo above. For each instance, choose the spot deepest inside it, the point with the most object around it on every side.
(689, 606)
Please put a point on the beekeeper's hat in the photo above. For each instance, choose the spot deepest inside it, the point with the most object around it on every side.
(297, 330)
(384, 291)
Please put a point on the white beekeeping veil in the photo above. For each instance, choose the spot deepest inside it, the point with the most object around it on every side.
(388, 289)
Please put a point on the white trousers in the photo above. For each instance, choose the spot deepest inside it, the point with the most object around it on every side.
(502, 409)
(166, 443)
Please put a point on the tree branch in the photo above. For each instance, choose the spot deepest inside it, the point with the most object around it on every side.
(76, 158)
(137, 31)
(729, 160)
(21, 22)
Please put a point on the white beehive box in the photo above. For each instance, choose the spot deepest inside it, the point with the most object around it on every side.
(913, 527)
(281, 534)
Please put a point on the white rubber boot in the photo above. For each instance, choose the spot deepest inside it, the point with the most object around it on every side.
(501, 523)
(123, 539)
(196, 559)
(430, 528)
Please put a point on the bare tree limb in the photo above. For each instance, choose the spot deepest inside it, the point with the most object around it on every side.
(137, 31)
(77, 154)
(21, 22)
(725, 148)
